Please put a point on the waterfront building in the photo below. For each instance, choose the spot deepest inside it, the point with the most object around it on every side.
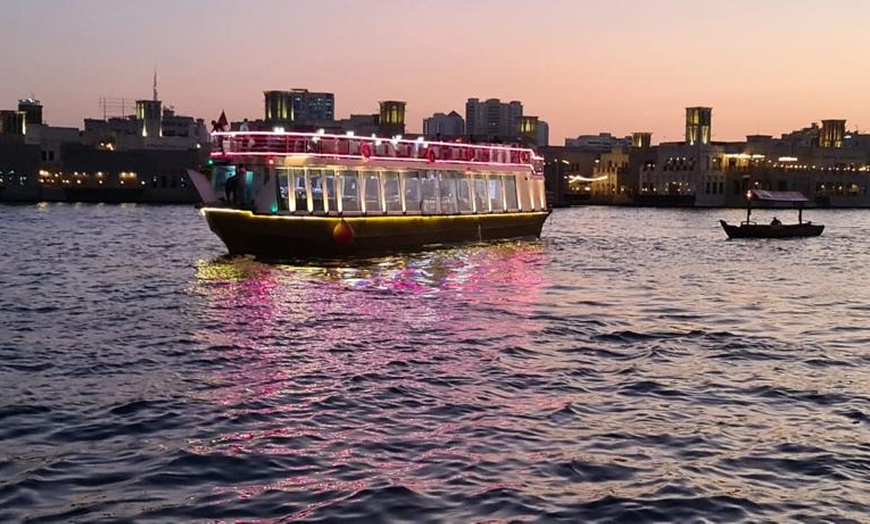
(826, 163)
(492, 120)
(567, 174)
(134, 158)
(616, 173)
(446, 126)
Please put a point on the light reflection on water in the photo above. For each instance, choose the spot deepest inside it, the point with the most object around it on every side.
(631, 365)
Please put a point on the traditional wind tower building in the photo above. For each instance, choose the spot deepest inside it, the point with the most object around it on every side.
(698, 125)
(392, 118)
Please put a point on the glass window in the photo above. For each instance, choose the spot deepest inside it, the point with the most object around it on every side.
(315, 178)
(510, 192)
(350, 191)
(496, 197)
(391, 192)
(283, 189)
(373, 192)
(329, 186)
(463, 193)
(447, 192)
(481, 196)
(429, 185)
(413, 191)
(297, 182)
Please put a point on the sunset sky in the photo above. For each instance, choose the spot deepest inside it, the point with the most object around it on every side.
(584, 66)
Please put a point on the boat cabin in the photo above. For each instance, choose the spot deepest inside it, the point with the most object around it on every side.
(334, 175)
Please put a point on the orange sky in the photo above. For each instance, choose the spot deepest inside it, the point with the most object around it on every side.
(585, 67)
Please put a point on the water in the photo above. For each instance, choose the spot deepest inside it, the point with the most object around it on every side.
(633, 365)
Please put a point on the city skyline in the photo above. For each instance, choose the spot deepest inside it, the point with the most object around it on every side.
(583, 67)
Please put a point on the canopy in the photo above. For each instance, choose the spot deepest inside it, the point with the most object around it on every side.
(779, 196)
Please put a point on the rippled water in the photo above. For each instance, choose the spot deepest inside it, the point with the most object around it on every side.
(632, 365)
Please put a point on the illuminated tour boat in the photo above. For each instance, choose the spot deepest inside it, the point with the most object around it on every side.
(290, 194)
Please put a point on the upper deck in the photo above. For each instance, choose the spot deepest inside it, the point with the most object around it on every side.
(293, 147)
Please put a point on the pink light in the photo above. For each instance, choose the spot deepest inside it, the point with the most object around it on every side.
(296, 144)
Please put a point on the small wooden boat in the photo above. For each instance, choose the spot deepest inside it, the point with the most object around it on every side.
(776, 229)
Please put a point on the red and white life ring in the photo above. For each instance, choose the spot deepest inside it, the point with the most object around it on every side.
(365, 151)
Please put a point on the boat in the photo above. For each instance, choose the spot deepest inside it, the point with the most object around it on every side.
(776, 229)
(310, 195)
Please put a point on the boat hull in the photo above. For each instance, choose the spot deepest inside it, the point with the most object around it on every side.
(771, 231)
(297, 236)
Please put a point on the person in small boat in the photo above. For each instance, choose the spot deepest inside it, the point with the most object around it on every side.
(775, 222)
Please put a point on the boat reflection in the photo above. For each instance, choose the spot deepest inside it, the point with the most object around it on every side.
(313, 361)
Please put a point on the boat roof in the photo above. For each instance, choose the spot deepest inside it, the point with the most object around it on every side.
(288, 147)
(779, 196)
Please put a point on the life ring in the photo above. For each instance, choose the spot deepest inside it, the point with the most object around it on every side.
(365, 151)
(430, 155)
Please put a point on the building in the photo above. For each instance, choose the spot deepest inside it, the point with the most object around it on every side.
(445, 126)
(825, 163)
(299, 109)
(137, 158)
(492, 120)
(391, 118)
(601, 143)
(543, 135)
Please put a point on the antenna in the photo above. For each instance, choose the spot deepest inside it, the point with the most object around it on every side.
(155, 83)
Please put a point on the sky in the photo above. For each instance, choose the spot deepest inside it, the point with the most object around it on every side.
(585, 67)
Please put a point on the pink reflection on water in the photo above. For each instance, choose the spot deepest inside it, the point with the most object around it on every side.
(296, 344)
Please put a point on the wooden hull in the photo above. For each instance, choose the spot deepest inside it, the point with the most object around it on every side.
(769, 231)
(296, 236)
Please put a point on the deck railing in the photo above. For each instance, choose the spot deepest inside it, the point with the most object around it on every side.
(258, 143)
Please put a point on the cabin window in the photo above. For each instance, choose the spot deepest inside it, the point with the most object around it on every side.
(349, 184)
(481, 194)
(329, 188)
(413, 192)
(392, 193)
(315, 181)
(510, 193)
(372, 181)
(284, 190)
(429, 186)
(496, 193)
(447, 191)
(297, 182)
(463, 193)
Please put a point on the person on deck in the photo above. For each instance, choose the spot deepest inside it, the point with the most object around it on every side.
(231, 187)
(775, 222)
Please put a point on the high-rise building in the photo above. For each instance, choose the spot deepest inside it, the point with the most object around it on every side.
(299, 107)
(698, 125)
(492, 119)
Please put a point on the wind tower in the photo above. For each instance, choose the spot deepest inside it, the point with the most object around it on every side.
(698, 121)
(149, 115)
